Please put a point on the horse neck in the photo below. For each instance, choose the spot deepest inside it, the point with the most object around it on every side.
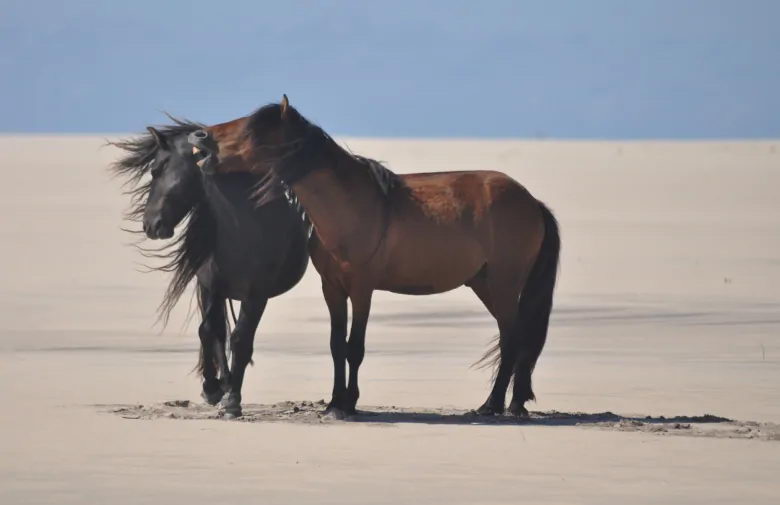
(344, 205)
(227, 217)
(232, 139)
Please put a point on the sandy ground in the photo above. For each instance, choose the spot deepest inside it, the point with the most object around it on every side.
(668, 309)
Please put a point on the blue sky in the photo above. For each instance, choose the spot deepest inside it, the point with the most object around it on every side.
(561, 69)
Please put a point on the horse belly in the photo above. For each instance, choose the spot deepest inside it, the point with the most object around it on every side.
(432, 265)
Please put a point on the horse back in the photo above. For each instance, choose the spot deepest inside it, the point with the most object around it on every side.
(460, 199)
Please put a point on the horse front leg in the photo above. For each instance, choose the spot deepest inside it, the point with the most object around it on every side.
(242, 346)
(356, 347)
(336, 300)
(212, 333)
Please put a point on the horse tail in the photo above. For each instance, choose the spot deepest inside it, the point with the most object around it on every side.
(534, 306)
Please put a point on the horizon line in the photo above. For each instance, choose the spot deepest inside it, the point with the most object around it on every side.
(435, 137)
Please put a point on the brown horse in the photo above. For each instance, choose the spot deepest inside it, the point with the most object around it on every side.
(414, 234)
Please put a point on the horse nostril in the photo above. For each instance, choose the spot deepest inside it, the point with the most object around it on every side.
(156, 225)
(152, 227)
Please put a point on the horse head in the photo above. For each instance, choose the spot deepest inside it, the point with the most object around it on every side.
(176, 185)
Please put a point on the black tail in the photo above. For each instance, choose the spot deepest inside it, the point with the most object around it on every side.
(535, 305)
(533, 310)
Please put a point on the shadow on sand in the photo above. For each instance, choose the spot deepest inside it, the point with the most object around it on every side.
(551, 418)
(307, 412)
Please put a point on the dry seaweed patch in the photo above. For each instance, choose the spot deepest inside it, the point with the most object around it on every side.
(307, 412)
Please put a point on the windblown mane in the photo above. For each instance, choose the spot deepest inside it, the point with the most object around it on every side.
(184, 255)
(297, 158)
(385, 178)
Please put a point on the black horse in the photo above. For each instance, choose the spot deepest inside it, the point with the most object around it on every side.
(235, 249)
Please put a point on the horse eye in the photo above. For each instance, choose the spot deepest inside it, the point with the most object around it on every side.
(156, 169)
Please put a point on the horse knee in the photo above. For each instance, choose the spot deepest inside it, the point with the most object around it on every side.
(242, 347)
(207, 331)
(355, 357)
(338, 347)
(356, 351)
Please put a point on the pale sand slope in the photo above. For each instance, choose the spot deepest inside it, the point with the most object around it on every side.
(668, 304)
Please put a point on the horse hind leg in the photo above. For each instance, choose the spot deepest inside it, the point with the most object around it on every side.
(501, 300)
(534, 313)
(534, 331)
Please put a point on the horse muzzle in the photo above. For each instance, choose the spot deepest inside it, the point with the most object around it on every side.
(156, 229)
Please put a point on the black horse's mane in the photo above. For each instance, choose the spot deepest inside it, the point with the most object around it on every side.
(299, 157)
(185, 254)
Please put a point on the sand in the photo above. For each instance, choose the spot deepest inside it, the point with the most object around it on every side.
(668, 309)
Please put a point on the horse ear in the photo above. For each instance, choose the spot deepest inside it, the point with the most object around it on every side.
(204, 150)
(158, 137)
(285, 106)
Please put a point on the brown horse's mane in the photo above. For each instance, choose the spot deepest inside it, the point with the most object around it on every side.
(186, 253)
(297, 158)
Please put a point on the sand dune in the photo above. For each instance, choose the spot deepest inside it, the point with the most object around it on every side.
(668, 305)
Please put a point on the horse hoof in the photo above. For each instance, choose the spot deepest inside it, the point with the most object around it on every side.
(212, 398)
(231, 405)
(336, 413)
(518, 410)
(490, 410)
(232, 414)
